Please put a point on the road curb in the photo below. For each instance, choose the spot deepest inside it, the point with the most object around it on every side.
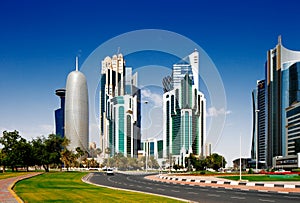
(233, 183)
(12, 185)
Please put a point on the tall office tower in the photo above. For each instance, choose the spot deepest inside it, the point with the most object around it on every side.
(184, 112)
(77, 111)
(259, 142)
(282, 78)
(188, 65)
(120, 108)
(60, 113)
(293, 129)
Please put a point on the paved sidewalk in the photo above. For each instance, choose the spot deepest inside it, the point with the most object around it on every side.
(7, 195)
(211, 181)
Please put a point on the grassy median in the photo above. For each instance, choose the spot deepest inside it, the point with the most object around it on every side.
(68, 187)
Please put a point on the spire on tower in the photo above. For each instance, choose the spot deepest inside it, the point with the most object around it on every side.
(279, 39)
(76, 63)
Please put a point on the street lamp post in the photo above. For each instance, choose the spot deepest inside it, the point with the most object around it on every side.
(256, 139)
(240, 158)
(146, 147)
(147, 155)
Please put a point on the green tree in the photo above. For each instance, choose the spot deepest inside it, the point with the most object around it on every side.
(153, 163)
(24, 153)
(10, 157)
(47, 151)
(215, 161)
(68, 158)
(2, 160)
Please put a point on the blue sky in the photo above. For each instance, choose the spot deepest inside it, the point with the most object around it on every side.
(40, 39)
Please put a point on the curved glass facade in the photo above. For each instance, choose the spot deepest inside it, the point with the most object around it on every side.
(184, 114)
(282, 92)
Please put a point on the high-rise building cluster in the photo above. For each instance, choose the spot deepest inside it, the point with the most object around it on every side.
(276, 110)
(184, 109)
(184, 112)
(120, 108)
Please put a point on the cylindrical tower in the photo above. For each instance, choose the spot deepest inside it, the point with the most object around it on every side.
(60, 113)
(76, 111)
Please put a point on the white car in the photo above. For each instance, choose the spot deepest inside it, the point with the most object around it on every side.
(109, 172)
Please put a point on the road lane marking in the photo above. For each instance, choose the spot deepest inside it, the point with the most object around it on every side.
(160, 189)
(150, 188)
(241, 193)
(237, 197)
(291, 197)
(262, 195)
(194, 193)
(221, 191)
(175, 190)
(213, 195)
(280, 192)
(266, 200)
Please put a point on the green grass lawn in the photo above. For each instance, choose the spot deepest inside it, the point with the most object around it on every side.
(11, 174)
(68, 187)
(264, 177)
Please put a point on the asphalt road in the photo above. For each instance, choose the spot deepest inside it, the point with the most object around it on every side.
(189, 192)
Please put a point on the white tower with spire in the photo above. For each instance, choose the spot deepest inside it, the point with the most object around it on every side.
(76, 110)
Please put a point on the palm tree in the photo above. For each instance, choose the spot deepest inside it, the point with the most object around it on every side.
(107, 151)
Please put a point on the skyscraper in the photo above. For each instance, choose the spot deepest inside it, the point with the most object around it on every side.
(76, 110)
(184, 109)
(259, 139)
(60, 113)
(283, 91)
(120, 108)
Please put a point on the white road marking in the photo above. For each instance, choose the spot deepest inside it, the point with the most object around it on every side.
(213, 195)
(160, 189)
(221, 191)
(175, 190)
(195, 193)
(241, 193)
(237, 197)
(291, 197)
(261, 195)
(283, 192)
(266, 200)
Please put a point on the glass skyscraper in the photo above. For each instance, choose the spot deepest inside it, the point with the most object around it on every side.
(259, 139)
(184, 109)
(60, 113)
(120, 108)
(282, 83)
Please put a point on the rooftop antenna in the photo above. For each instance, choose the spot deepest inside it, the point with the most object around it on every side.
(119, 50)
(76, 63)
(279, 39)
